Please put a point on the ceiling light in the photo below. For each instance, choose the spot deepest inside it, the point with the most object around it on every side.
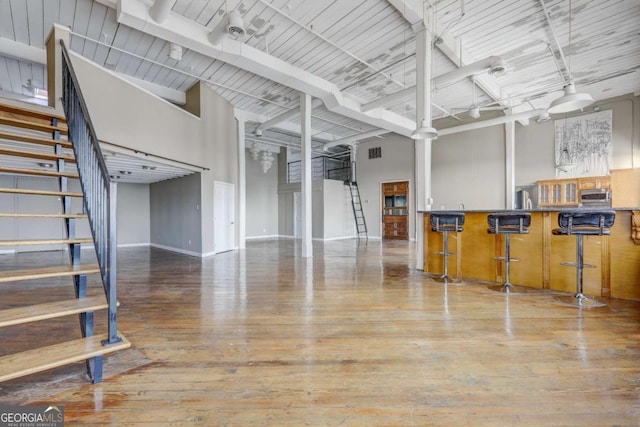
(543, 118)
(235, 26)
(175, 51)
(46, 165)
(474, 112)
(498, 68)
(424, 131)
(125, 172)
(148, 168)
(257, 133)
(570, 101)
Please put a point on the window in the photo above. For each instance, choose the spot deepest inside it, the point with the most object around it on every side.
(375, 153)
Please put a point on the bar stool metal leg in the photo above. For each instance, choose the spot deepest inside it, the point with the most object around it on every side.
(508, 287)
(579, 300)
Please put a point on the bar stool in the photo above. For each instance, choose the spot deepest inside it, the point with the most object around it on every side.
(445, 222)
(509, 223)
(581, 223)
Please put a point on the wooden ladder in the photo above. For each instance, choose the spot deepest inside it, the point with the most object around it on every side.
(32, 145)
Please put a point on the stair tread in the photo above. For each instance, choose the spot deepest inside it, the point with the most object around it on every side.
(40, 192)
(28, 215)
(50, 310)
(45, 272)
(33, 139)
(44, 358)
(26, 124)
(36, 155)
(44, 242)
(31, 113)
(37, 172)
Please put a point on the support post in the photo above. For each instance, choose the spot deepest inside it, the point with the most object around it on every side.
(510, 158)
(305, 125)
(242, 187)
(424, 47)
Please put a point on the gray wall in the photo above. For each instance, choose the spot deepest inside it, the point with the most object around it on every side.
(396, 164)
(152, 125)
(134, 212)
(262, 198)
(469, 167)
(175, 214)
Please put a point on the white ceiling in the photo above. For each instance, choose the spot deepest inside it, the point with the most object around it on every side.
(346, 52)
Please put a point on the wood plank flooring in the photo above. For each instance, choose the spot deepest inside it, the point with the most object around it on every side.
(353, 337)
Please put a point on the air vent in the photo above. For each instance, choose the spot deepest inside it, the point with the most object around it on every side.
(375, 153)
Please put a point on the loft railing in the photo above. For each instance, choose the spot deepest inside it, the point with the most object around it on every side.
(99, 191)
(321, 168)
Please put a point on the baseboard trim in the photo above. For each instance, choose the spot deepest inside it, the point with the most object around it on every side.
(7, 252)
(133, 245)
(178, 250)
(273, 236)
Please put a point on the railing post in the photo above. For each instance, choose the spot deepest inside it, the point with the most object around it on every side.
(112, 272)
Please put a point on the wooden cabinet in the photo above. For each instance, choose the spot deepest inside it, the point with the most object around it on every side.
(625, 187)
(566, 192)
(594, 182)
(395, 210)
(558, 192)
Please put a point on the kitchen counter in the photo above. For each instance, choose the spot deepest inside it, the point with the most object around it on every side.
(616, 257)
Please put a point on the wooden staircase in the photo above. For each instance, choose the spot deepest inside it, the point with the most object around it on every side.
(30, 140)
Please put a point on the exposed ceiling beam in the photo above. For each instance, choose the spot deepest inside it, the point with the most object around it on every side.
(191, 35)
(519, 117)
(350, 140)
(280, 118)
(473, 69)
(412, 11)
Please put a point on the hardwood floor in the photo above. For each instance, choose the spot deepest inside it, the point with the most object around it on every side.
(353, 337)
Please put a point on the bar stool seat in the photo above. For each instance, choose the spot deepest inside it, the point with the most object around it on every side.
(582, 223)
(509, 223)
(445, 222)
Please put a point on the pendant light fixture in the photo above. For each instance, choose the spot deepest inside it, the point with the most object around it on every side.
(571, 100)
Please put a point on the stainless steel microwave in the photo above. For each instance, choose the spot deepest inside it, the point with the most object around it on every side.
(595, 198)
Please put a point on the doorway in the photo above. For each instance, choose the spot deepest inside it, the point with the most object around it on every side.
(224, 228)
(395, 210)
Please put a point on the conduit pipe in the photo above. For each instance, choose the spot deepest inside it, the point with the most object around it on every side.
(350, 140)
(492, 122)
(491, 64)
(283, 117)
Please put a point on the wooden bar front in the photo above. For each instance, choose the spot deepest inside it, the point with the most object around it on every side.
(616, 257)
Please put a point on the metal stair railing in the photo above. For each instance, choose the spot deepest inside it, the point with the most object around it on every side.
(99, 191)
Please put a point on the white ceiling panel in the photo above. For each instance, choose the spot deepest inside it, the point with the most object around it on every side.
(366, 48)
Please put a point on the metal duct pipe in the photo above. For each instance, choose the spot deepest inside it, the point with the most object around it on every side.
(283, 117)
(492, 122)
(353, 139)
(159, 11)
(491, 64)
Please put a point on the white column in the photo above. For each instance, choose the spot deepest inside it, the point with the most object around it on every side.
(353, 151)
(242, 187)
(305, 125)
(509, 164)
(422, 146)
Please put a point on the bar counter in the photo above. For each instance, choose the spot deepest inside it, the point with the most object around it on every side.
(616, 257)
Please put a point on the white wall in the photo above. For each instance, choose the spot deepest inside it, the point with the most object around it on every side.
(133, 214)
(147, 123)
(262, 198)
(338, 219)
(469, 167)
(396, 164)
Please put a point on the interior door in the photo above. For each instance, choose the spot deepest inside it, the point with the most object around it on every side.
(224, 228)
